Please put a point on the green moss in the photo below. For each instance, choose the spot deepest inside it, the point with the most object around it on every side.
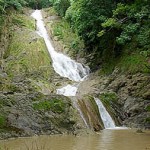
(128, 62)
(1, 23)
(2, 121)
(108, 98)
(147, 120)
(55, 105)
(147, 108)
(108, 67)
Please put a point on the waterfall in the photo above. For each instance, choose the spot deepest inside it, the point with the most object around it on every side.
(66, 67)
(63, 65)
(106, 118)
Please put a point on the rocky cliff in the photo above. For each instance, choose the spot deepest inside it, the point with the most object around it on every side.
(28, 103)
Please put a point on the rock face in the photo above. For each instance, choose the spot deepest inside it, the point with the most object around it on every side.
(34, 114)
(126, 97)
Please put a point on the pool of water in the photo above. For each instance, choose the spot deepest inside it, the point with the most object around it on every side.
(106, 140)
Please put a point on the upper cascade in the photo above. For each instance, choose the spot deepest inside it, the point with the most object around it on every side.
(63, 65)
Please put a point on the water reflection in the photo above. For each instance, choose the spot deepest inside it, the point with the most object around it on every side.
(106, 140)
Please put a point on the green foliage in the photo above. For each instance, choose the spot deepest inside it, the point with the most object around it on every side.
(17, 4)
(58, 32)
(61, 6)
(130, 19)
(38, 4)
(111, 22)
(55, 105)
(73, 44)
(86, 17)
(143, 38)
(134, 63)
(128, 32)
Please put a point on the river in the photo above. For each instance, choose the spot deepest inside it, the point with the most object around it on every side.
(106, 140)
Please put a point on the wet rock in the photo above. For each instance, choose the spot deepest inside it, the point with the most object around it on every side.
(22, 119)
(132, 92)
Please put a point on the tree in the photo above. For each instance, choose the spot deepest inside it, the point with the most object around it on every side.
(60, 6)
(86, 16)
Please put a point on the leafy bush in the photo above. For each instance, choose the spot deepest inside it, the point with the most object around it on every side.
(38, 4)
(61, 6)
(17, 4)
(86, 18)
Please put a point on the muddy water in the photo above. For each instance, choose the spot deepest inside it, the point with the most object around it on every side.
(106, 140)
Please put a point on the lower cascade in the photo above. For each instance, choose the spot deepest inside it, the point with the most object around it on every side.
(106, 118)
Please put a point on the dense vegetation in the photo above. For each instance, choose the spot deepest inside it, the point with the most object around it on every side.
(18, 4)
(109, 29)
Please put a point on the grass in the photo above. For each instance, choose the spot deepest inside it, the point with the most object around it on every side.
(61, 29)
(55, 105)
(23, 21)
(1, 23)
(133, 63)
(28, 55)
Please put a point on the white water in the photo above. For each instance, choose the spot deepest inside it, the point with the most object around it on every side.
(62, 64)
(106, 118)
